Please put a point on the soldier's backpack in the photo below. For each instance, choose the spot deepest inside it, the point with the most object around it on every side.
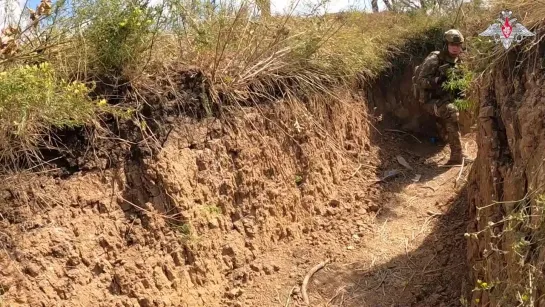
(416, 90)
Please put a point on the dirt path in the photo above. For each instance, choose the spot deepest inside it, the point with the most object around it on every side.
(398, 243)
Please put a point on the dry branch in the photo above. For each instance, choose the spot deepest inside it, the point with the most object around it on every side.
(460, 174)
(289, 297)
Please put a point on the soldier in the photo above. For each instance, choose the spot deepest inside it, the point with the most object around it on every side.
(429, 77)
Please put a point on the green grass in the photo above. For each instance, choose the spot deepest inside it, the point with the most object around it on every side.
(212, 209)
(459, 82)
(185, 229)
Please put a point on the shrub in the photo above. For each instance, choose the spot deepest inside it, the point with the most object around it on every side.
(118, 33)
(459, 83)
(33, 99)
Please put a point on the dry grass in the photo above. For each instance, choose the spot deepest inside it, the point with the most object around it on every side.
(240, 58)
(255, 60)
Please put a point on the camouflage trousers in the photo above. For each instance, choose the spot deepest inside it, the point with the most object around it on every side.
(448, 114)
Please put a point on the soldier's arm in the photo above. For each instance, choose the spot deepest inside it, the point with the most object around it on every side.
(426, 78)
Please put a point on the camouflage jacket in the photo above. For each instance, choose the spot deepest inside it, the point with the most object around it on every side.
(433, 73)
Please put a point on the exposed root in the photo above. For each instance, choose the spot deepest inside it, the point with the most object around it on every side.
(307, 279)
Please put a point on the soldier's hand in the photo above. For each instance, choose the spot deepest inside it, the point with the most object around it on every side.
(460, 95)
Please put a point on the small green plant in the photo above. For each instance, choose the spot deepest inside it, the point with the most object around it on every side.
(187, 233)
(482, 285)
(516, 238)
(458, 83)
(212, 209)
(185, 229)
(119, 33)
(298, 180)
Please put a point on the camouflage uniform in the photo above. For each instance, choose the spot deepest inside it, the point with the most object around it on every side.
(438, 102)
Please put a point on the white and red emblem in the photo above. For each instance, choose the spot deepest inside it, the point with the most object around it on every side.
(507, 30)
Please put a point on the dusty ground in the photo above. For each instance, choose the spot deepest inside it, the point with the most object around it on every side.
(406, 249)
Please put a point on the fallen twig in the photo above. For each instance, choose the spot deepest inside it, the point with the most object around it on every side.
(432, 214)
(408, 282)
(289, 297)
(407, 252)
(426, 222)
(450, 165)
(400, 131)
(426, 266)
(442, 269)
(307, 279)
(460, 174)
(356, 171)
(381, 282)
(341, 289)
(427, 187)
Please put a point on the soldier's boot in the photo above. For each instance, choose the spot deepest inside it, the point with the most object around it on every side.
(449, 113)
(456, 154)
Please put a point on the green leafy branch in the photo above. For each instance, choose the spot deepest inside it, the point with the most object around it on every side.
(459, 80)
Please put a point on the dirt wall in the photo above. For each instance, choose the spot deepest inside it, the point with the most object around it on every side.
(391, 96)
(505, 235)
(183, 228)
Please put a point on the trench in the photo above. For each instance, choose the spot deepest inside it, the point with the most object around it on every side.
(236, 212)
(401, 242)
(228, 207)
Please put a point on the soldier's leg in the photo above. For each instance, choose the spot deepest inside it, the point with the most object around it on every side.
(449, 113)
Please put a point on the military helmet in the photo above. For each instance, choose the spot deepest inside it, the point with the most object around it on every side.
(453, 36)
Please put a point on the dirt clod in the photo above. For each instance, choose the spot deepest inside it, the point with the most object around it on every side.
(373, 208)
(236, 292)
(32, 269)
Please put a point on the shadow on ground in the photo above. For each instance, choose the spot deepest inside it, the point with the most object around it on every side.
(432, 271)
(424, 157)
(431, 275)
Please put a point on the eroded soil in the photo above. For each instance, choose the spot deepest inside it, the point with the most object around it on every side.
(236, 215)
(406, 249)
